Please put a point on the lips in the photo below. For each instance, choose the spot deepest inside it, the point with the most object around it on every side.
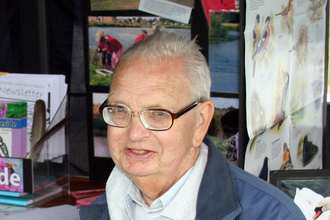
(139, 151)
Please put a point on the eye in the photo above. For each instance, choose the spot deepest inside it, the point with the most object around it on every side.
(159, 113)
(156, 115)
(119, 109)
(119, 114)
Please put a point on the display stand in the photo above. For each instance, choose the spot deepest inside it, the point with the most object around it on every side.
(35, 181)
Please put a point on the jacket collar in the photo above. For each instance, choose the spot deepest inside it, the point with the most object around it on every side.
(217, 196)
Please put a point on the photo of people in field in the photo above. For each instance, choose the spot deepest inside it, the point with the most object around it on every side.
(110, 36)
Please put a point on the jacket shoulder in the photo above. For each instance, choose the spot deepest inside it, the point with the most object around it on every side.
(98, 210)
(263, 200)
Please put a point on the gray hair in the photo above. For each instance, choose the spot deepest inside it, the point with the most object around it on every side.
(170, 45)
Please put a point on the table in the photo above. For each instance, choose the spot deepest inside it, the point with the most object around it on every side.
(76, 184)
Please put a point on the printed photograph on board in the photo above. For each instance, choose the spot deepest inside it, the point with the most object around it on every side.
(224, 51)
(110, 36)
(99, 127)
(308, 188)
(223, 130)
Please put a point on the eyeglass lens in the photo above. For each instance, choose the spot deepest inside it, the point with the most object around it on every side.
(157, 119)
(119, 115)
(152, 119)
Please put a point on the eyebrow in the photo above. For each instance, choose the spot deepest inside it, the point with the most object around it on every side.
(153, 106)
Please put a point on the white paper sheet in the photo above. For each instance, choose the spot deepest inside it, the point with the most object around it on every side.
(62, 212)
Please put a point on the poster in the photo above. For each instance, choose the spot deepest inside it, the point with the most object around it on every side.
(284, 61)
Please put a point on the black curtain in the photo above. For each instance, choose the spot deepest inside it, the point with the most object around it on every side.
(20, 52)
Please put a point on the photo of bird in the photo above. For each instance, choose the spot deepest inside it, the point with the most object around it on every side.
(287, 163)
(309, 151)
(286, 10)
(307, 200)
(264, 170)
(256, 38)
(306, 150)
(315, 9)
(263, 40)
(301, 46)
(321, 207)
(287, 16)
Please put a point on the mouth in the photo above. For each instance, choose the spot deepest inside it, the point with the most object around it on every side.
(139, 151)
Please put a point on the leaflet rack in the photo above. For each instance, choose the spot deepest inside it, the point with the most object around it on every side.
(33, 182)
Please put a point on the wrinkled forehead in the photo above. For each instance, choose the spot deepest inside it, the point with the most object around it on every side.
(170, 69)
(140, 76)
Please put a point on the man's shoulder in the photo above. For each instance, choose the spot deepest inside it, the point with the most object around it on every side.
(255, 193)
(253, 197)
(98, 210)
(247, 181)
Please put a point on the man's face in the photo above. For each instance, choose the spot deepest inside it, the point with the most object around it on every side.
(141, 152)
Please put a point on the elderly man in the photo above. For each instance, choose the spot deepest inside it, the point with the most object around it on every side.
(158, 112)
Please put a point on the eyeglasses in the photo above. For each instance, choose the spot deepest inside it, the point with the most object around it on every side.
(152, 119)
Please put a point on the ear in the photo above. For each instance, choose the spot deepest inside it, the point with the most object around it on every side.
(205, 115)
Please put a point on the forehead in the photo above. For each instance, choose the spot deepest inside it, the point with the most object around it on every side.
(145, 82)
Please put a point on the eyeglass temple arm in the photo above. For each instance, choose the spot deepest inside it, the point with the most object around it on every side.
(102, 106)
(183, 111)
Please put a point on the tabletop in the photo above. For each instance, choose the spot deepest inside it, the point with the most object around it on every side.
(76, 184)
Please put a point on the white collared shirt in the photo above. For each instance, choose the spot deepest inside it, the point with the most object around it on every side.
(138, 210)
(179, 202)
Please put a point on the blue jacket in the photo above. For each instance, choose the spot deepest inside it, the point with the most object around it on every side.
(226, 192)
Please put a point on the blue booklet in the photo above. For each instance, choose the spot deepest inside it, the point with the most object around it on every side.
(15, 176)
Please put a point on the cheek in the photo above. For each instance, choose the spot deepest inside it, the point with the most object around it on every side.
(114, 139)
(185, 130)
(178, 142)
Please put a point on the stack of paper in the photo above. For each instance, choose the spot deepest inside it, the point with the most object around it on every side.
(31, 87)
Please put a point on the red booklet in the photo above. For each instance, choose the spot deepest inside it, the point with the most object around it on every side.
(87, 193)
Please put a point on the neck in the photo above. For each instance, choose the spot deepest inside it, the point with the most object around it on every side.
(154, 186)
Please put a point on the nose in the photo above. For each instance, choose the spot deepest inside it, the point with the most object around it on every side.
(136, 130)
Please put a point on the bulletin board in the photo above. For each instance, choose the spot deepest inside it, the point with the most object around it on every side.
(123, 22)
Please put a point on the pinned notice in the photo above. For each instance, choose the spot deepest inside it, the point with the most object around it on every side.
(166, 9)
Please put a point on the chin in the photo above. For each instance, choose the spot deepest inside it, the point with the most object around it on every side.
(138, 173)
(138, 169)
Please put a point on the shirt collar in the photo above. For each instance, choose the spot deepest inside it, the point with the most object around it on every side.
(183, 206)
(134, 195)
